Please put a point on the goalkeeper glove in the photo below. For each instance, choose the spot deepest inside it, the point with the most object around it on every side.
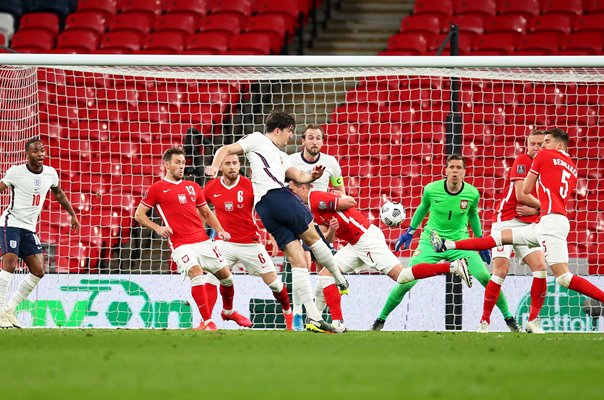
(485, 255)
(405, 239)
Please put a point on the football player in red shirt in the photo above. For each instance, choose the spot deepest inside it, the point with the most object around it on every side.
(366, 245)
(517, 209)
(555, 175)
(233, 199)
(182, 208)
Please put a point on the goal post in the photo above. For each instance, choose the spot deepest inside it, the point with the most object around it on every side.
(106, 121)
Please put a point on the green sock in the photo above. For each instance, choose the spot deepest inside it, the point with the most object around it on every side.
(395, 297)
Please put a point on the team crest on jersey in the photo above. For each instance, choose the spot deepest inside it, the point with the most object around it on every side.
(322, 205)
(182, 198)
(13, 244)
(228, 206)
(520, 169)
(463, 204)
(37, 182)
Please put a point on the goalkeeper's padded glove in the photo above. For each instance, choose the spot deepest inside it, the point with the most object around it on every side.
(405, 239)
(485, 255)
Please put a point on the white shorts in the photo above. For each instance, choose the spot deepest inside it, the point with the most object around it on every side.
(505, 251)
(550, 233)
(253, 256)
(205, 254)
(371, 249)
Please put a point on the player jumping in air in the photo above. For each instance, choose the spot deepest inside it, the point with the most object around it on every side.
(29, 184)
(182, 208)
(517, 209)
(555, 175)
(452, 203)
(366, 245)
(282, 213)
(233, 199)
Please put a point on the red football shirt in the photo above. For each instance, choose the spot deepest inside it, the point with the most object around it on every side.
(324, 206)
(177, 204)
(557, 180)
(506, 208)
(233, 207)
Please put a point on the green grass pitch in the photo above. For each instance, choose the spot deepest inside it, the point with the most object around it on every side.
(174, 364)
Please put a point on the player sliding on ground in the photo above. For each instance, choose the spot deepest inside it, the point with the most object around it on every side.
(366, 245)
(183, 209)
(517, 209)
(233, 199)
(281, 212)
(29, 184)
(451, 203)
(555, 175)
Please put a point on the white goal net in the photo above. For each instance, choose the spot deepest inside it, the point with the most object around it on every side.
(106, 127)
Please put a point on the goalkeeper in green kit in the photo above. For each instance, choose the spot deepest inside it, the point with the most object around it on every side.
(452, 203)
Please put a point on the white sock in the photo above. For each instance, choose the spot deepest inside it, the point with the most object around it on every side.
(322, 282)
(449, 244)
(26, 286)
(5, 278)
(405, 276)
(296, 302)
(325, 258)
(302, 286)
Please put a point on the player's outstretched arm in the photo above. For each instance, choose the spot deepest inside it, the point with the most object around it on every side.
(234, 148)
(62, 199)
(205, 213)
(297, 175)
(140, 216)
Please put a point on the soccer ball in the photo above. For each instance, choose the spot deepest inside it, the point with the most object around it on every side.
(392, 214)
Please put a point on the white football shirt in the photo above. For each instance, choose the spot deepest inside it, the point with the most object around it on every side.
(332, 168)
(267, 162)
(28, 194)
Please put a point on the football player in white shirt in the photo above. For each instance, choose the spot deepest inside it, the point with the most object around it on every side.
(29, 184)
(282, 212)
(311, 155)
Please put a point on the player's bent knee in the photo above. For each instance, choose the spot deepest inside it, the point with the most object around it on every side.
(564, 279)
(228, 281)
(198, 280)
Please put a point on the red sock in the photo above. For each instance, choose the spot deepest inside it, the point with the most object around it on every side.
(538, 292)
(491, 295)
(425, 270)
(484, 243)
(333, 301)
(212, 292)
(283, 298)
(201, 299)
(227, 293)
(585, 287)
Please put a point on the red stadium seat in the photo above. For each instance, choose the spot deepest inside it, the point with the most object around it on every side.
(184, 23)
(168, 42)
(572, 8)
(473, 24)
(443, 7)
(87, 20)
(476, 7)
(547, 42)
(151, 7)
(465, 42)
(496, 42)
(215, 42)
(422, 23)
(80, 41)
(590, 23)
(106, 7)
(40, 20)
(251, 43)
(351, 113)
(239, 9)
(409, 41)
(527, 8)
(138, 22)
(552, 23)
(195, 8)
(288, 9)
(273, 25)
(586, 41)
(516, 24)
(129, 41)
(226, 23)
(33, 41)
(594, 7)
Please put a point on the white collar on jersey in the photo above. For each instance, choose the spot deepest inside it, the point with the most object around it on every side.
(307, 161)
(230, 187)
(171, 181)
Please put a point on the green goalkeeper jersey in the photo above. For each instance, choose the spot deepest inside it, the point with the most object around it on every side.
(449, 213)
